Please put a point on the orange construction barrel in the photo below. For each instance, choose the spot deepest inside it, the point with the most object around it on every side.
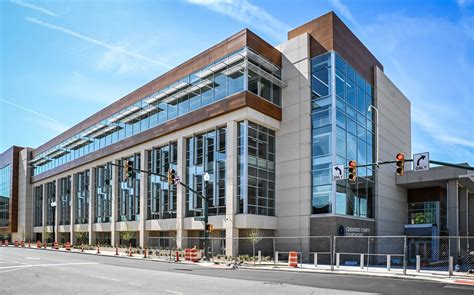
(293, 259)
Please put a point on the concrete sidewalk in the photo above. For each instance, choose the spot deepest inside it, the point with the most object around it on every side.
(438, 276)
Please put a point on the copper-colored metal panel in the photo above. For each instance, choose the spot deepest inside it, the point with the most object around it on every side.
(262, 47)
(231, 44)
(230, 104)
(330, 33)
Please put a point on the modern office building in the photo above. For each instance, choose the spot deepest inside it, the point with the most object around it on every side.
(267, 123)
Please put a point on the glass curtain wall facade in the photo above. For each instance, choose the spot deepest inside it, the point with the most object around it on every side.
(103, 194)
(161, 198)
(217, 81)
(256, 169)
(65, 200)
(38, 194)
(206, 152)
(82, 197)
(5, 194)
(129, 195)
(342, 130)
(50, 197)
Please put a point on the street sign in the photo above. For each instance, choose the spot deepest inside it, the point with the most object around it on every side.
(338, 172)
(177, 180)
(421, 161)
(199, 218)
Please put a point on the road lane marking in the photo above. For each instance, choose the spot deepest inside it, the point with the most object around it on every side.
(135, 284)
(32, 258)
(13, 261)
(174, 292)
(104, 278)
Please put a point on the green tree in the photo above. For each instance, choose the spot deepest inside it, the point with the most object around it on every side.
(81, 236)
(127, 234)
(254, 236)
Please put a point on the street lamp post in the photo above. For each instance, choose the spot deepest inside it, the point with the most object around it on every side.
(377, 133)
(54, 204)
(206, 218)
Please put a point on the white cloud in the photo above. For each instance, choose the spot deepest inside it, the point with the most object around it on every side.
(34, 7)
(434, 73)
(247, 13)
(109, 46)
(464, 3)
(41, 119)
(80, 87)
(343, 10)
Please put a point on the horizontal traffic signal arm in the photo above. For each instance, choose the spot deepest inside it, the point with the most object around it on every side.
(411, 160)
(163, 177)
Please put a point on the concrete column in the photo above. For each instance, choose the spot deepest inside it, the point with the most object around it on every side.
(181, 233)
(92, 199)
(45, 208)
(453, 214)
(231, 233)
(143, 234)
(57, 210)
(463, 211)
(114, 236)
(73, 207)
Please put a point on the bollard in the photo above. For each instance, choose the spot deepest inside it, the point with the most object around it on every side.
(315, 259)
(116, 250)
(338, 259)
(130, 250)
(98, 249)
(259, 257)
(389, 262)
(29, 244)
(144, 254)
(82, 247)
(451, 264)
(44, 244)
(417, 263)
(177, 256)
(276, 257)
(361, 261)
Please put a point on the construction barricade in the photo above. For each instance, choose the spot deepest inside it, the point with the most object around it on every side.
(67, 245)
(293, 259)
(16, 243)
(22, 244)
(6, 243)
(38, 244)
(55, 245)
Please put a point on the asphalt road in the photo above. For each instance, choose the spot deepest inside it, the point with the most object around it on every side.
(32, 271)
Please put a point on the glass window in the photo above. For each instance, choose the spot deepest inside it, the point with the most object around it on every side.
(201, 151)
(129, 191)
(5, 194)
(256, 173)
(161, 197)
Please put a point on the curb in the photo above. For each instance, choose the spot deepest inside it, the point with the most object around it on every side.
(450, 280)
(367, 274)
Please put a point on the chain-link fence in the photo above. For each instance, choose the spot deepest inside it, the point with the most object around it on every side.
(402, 253)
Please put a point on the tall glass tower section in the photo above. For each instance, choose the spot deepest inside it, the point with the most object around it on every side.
(342, 130)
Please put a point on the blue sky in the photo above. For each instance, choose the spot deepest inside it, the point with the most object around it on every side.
(62, 61)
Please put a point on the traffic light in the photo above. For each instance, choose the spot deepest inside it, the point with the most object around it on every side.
(400, 164)
(128, 169)
(171, 176)
(209, 227)
(352, 171)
